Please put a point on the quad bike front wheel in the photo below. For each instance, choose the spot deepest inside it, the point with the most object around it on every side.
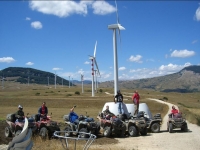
(132, 131)
(83, 135)
(170, 128)
(107, 132)
(155, 127)
(143, 131)
(184, 128)
(68, 132)
(44, 133)
(8, 132)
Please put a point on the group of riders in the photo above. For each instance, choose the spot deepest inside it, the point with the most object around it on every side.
(42, 113)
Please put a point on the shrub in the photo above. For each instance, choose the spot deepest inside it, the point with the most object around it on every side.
(100, 90)
(165, 98)
(37, 93)
(69, 94)
(198, 120)
(77, 93)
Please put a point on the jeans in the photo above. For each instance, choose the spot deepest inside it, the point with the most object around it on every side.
(120, 108)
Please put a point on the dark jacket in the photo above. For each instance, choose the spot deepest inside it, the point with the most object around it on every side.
(19, 114)
(40, 110)
(119, 97)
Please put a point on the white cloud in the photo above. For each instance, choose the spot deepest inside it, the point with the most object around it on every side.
(67, 8)
(122, 68)
(182, 53)
(29, 63)
(6, 60)
(136, 58)
(27, 18)
(36, 24)
(102, 8)
(56, 69)
(80, 71)
(195, 41)
(87, 62)
(197, 14)
(172, 68)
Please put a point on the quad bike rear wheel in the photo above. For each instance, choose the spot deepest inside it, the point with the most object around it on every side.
(44, 133)
(155, 127)
(132, 131)
(8, 132)
(18, 132)
(107, 132)
(170, 128)
(68, 134)
(82, 135)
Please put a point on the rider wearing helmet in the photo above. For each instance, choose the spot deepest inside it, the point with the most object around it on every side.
(19, 114)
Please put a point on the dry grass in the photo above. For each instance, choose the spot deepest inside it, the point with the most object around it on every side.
(59, 103)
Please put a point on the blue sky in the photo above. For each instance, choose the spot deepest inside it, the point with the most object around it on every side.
(57, 36)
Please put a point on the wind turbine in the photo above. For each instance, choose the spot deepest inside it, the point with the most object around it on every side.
(82, 81)
(69, 81)
(93, 60)
(55, 79)
(115, 27)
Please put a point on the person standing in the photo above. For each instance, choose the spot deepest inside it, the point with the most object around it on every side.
(119, 99)
(136, 101)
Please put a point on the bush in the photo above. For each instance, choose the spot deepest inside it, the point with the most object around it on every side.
(100, 90)
(77, 93)
(37, 93)
(165, 98)
(69, 94)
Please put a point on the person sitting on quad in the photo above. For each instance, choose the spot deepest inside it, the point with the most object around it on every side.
(174, 110)
(73, 117)
(19, 115)
(43, 111)
(107, 113)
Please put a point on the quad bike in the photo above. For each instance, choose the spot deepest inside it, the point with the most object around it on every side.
(111, 125)
(176, 121)
(136, 125)
(153, 124)
(45, 126)
(14, 127)
(85, 125)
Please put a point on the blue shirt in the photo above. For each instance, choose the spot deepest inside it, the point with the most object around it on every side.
(72, 117)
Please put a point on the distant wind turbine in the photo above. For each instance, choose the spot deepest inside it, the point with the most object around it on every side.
(69, 81)
(115, 27)
(82, 82)
(55, 79)
(93, 60)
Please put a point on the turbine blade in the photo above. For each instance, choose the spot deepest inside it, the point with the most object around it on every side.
(95, 49)
(96, 66)
(117, 12)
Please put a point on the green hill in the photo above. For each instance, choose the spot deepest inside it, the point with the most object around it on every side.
(20, 74)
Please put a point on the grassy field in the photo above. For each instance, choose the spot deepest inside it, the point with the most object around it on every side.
(61, 99)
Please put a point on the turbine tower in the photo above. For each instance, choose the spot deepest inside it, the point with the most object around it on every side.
(82, 82)
(115, 27)
(55, 79)
(69, 81)
(93, 60)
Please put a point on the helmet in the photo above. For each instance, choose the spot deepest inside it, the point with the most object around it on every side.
(20, 107)
(118, 91)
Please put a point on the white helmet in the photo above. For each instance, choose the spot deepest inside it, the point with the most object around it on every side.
(20, 106)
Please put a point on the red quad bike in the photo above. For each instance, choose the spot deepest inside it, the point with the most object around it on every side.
(113, 125)
(46, 127)
(15, 128)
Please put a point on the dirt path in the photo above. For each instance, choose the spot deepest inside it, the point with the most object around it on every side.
(164, 140)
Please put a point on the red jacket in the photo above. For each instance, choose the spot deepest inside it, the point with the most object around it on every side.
(137, 97)
(174, 111)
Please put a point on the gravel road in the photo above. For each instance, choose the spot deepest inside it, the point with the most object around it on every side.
(164, 140)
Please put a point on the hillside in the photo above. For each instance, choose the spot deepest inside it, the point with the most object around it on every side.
(186, 80)
(21, 75)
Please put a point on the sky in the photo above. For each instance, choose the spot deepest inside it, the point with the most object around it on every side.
(160, 37)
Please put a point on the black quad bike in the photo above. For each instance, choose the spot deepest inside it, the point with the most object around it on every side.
(85, 125)
(176, 121)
